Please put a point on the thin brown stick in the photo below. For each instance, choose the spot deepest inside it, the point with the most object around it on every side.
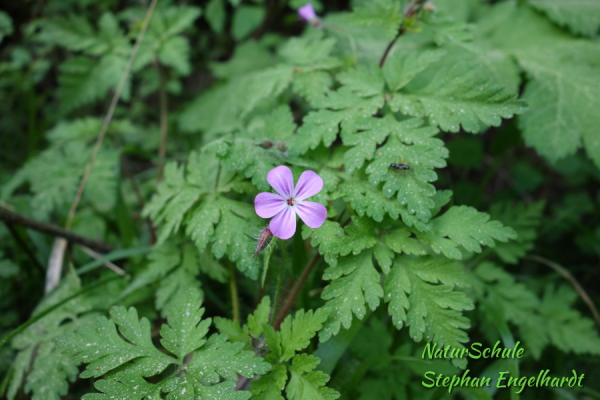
(164, 119)
(109, 115)
(389, 47)
(410, 10)
(235, 301)
(53, 230)
(108, 264)
(291, 299)
(25, 247)
(567, 275)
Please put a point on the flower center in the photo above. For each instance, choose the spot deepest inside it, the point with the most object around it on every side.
(291, 201)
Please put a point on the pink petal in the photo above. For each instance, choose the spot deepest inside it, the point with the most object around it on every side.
(308, 185)
(283, 225)
(307, 12)
(268, 204)
(282, 180)
(313, 214)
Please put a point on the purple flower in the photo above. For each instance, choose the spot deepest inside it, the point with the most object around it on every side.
(307, 13)
(289, 201)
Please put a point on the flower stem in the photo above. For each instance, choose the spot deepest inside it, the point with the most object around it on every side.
(410, 10)
(235, 301)
(389, 47)
(109, 115)
(289, 302)
(279, 278)
(164, 117)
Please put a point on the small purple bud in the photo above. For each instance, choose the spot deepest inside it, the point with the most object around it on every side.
(307, 13)
(263, 241)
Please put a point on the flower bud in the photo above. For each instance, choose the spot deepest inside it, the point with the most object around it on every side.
(263, 241)
(307, 13)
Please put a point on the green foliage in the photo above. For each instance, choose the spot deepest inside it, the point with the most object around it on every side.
(5, 25)
(291, 372)
(542, 320)
(426, 287)
(454, 245)
(581, 17)
(355, 284)
(186, 198)
(45, 371)
(525, 221)
(465, 227)
(383, 13)
(131, 355)
(562, 78)
(54, 176)
(460, 96)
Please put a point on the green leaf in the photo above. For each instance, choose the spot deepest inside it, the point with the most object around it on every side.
(359, 97)
(580, 16)
(124, 385)
(84, 80)
(355, 283)
(565, 327)
(54, 176)
(269, 386)
(399, 241)
(51, 373)
(260, 317)
(496, 286)
(215, 15)
(245, 20)
(174, 198)
(184, 332)
(312, 84)
(225, 107)
(461, 95)
(562, 100)
(133, 355)
(249, 56)
(563, 75)
(305, 383)
(466, 227)
(381, 13)
(262, 148)
(334, 241)
(73, 32)
(190, 199)
(309, 54)
(367, 199)
(403, 66)
(525, 221)
(175, 53)
(296, 332)
(44, 370)
(549, 320)
(6, 28)
(422, 295)
(408, 143)
(174, 20)
(236, 221)
(104, 349)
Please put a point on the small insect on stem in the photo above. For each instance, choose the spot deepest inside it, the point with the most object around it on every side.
(400, 166)
(263, 241)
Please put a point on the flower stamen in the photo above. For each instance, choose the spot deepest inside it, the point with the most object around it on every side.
(291, 201)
